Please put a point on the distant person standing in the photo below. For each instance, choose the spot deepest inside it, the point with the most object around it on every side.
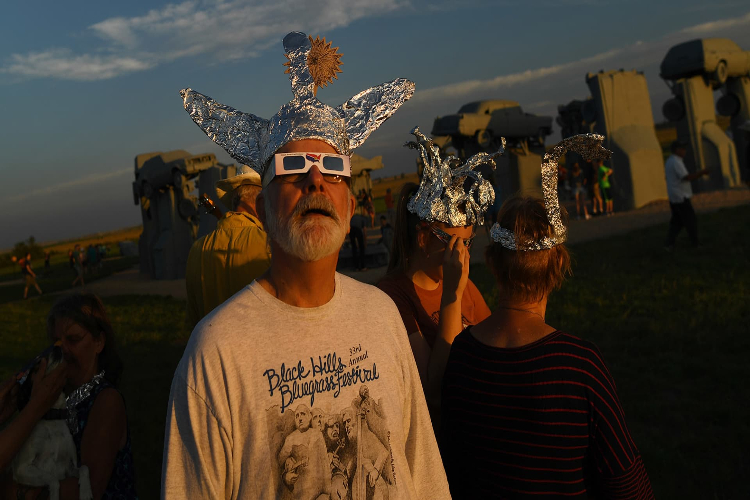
(84, 258)
(72, 262)
(78, 265)
(578, 181)
(46, 263)
(29, 275)
(358, 241)
(598, 203)
(386, 233)
(679, 192)
(92, 255)
(605, 187)
(370, 208)
(390, 206)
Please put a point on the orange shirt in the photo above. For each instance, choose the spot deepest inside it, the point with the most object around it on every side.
(388, 200)
(420, 308)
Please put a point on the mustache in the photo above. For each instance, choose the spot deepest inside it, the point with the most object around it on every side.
(317, 203)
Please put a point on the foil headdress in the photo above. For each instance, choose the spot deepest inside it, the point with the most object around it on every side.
(252, 140)
(442, 195)
(587, 145)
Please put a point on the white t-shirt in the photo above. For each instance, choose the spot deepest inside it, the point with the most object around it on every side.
(675, 171)
(275, 401)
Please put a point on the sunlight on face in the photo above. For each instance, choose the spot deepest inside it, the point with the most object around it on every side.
(308, 219)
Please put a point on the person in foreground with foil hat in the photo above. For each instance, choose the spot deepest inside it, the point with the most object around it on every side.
(536, 408)
(300, 336)
(428, 273)
(231, 256)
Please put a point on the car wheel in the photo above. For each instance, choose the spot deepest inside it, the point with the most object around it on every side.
(673, 110)
(721, 73)
(728, 105)
(484, 138)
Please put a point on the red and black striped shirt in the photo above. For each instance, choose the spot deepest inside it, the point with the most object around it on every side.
(538, 421)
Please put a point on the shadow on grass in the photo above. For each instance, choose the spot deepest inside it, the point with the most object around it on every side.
(673, 328)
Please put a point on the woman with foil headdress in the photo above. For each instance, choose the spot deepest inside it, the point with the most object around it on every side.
(428, 273)
(95, 412)
(527, 409)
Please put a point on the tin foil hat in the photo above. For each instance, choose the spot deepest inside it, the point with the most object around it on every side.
(252, 140)
(587, 145)
(449, 192)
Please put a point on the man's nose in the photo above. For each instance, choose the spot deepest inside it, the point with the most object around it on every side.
(314, 180)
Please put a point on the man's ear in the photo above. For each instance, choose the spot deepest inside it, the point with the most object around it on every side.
(260, 207)
(422, 239)
(352, 207)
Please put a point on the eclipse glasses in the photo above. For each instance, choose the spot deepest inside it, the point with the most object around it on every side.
(293, 167)
(446, 237)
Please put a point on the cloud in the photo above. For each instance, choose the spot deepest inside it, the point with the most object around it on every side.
(636, 55)
(218, 29)
(61, 63)
(66, 186)
(716, 26)
(468, 87)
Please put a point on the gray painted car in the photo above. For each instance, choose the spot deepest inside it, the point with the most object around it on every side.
(717, 58)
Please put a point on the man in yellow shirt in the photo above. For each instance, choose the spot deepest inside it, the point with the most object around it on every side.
(234, 254)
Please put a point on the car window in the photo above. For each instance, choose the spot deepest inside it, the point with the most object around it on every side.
(472, 107)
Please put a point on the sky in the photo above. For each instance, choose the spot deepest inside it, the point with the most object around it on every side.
(85, 86)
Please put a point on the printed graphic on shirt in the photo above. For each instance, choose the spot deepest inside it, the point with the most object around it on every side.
(337, 449)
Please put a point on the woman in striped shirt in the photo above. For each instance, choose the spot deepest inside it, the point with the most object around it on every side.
(530, 411)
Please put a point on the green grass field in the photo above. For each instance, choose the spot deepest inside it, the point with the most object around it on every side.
(673, 329)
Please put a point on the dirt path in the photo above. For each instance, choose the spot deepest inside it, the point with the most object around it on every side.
(132, 282)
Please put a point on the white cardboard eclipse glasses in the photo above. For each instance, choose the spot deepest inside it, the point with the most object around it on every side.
(301, 163)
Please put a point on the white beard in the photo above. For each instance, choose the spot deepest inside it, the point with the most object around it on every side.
(307, 239)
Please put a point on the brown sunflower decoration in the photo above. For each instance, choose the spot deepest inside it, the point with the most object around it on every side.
(323, 62)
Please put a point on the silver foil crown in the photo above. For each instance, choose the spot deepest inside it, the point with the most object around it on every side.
(587, 145)
(78, 396)
(252, 140)
(442, 195)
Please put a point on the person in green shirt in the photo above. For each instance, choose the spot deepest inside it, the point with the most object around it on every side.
(603, 174)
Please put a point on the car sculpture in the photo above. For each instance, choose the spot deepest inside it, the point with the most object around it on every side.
(485, 122)
(716, 58)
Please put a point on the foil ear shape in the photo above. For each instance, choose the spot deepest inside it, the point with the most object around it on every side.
(252, 140)
(587, 145)
(443, 195)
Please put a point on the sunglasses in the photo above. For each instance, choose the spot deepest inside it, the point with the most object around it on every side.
(294, 167)
(446, 238)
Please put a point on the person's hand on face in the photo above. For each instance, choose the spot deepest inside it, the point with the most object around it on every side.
(455, 267)
(46, 388)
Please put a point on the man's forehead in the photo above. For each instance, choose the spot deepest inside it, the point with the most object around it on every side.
(307, 146)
